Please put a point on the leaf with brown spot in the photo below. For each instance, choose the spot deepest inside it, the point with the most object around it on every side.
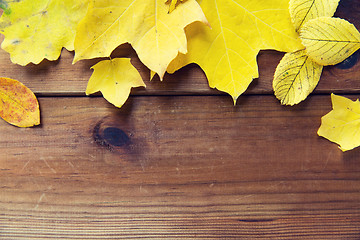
(295, 77)
(18, 104)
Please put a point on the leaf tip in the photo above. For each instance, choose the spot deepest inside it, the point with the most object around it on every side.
(343, 149)
(75, 60)
(235, 99)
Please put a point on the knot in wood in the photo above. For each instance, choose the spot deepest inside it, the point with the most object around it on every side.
(115, 136)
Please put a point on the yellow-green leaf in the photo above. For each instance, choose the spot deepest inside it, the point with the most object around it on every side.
(37, 30)
(342, 124)
(156, 36)
(295, 77)
(114, 78)
(302, 11)
(18, 104)
(329, 41)
(239, 30)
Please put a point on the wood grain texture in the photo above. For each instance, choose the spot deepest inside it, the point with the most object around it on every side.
(177, 168)
(61, 78)
(170, 166)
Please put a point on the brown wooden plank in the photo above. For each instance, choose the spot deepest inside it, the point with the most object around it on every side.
(63, 78)
(177, 168)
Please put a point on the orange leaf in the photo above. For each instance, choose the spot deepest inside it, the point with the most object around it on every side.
(18, 104)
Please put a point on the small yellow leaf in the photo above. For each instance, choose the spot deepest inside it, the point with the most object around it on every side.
(295, 77)
(329, 41)
(302, 11)
(37, 30)
(18, 104)
(114, 78)
(342, 124)
(156, 36)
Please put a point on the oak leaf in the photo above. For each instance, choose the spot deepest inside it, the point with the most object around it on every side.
(239, 30)
(295, 77)
(301, 11)
(328, 40)
(37, 31)
(114, 78)
(342, 124)
(18, 104)
(156, 36)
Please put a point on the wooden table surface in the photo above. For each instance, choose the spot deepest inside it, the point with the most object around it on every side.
(178, 161)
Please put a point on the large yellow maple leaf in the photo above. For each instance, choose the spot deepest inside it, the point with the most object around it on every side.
(156, 35)
(37, 30)
(239, 30)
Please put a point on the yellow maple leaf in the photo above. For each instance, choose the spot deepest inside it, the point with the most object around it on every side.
(301, 11)
(328, 40)
(114, 78)
(156, 36)
(342, 124)
(295, 77)
(18, 104)
(239, 30)
(37, 30)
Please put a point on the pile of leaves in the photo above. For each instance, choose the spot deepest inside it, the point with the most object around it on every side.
(223, 37)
